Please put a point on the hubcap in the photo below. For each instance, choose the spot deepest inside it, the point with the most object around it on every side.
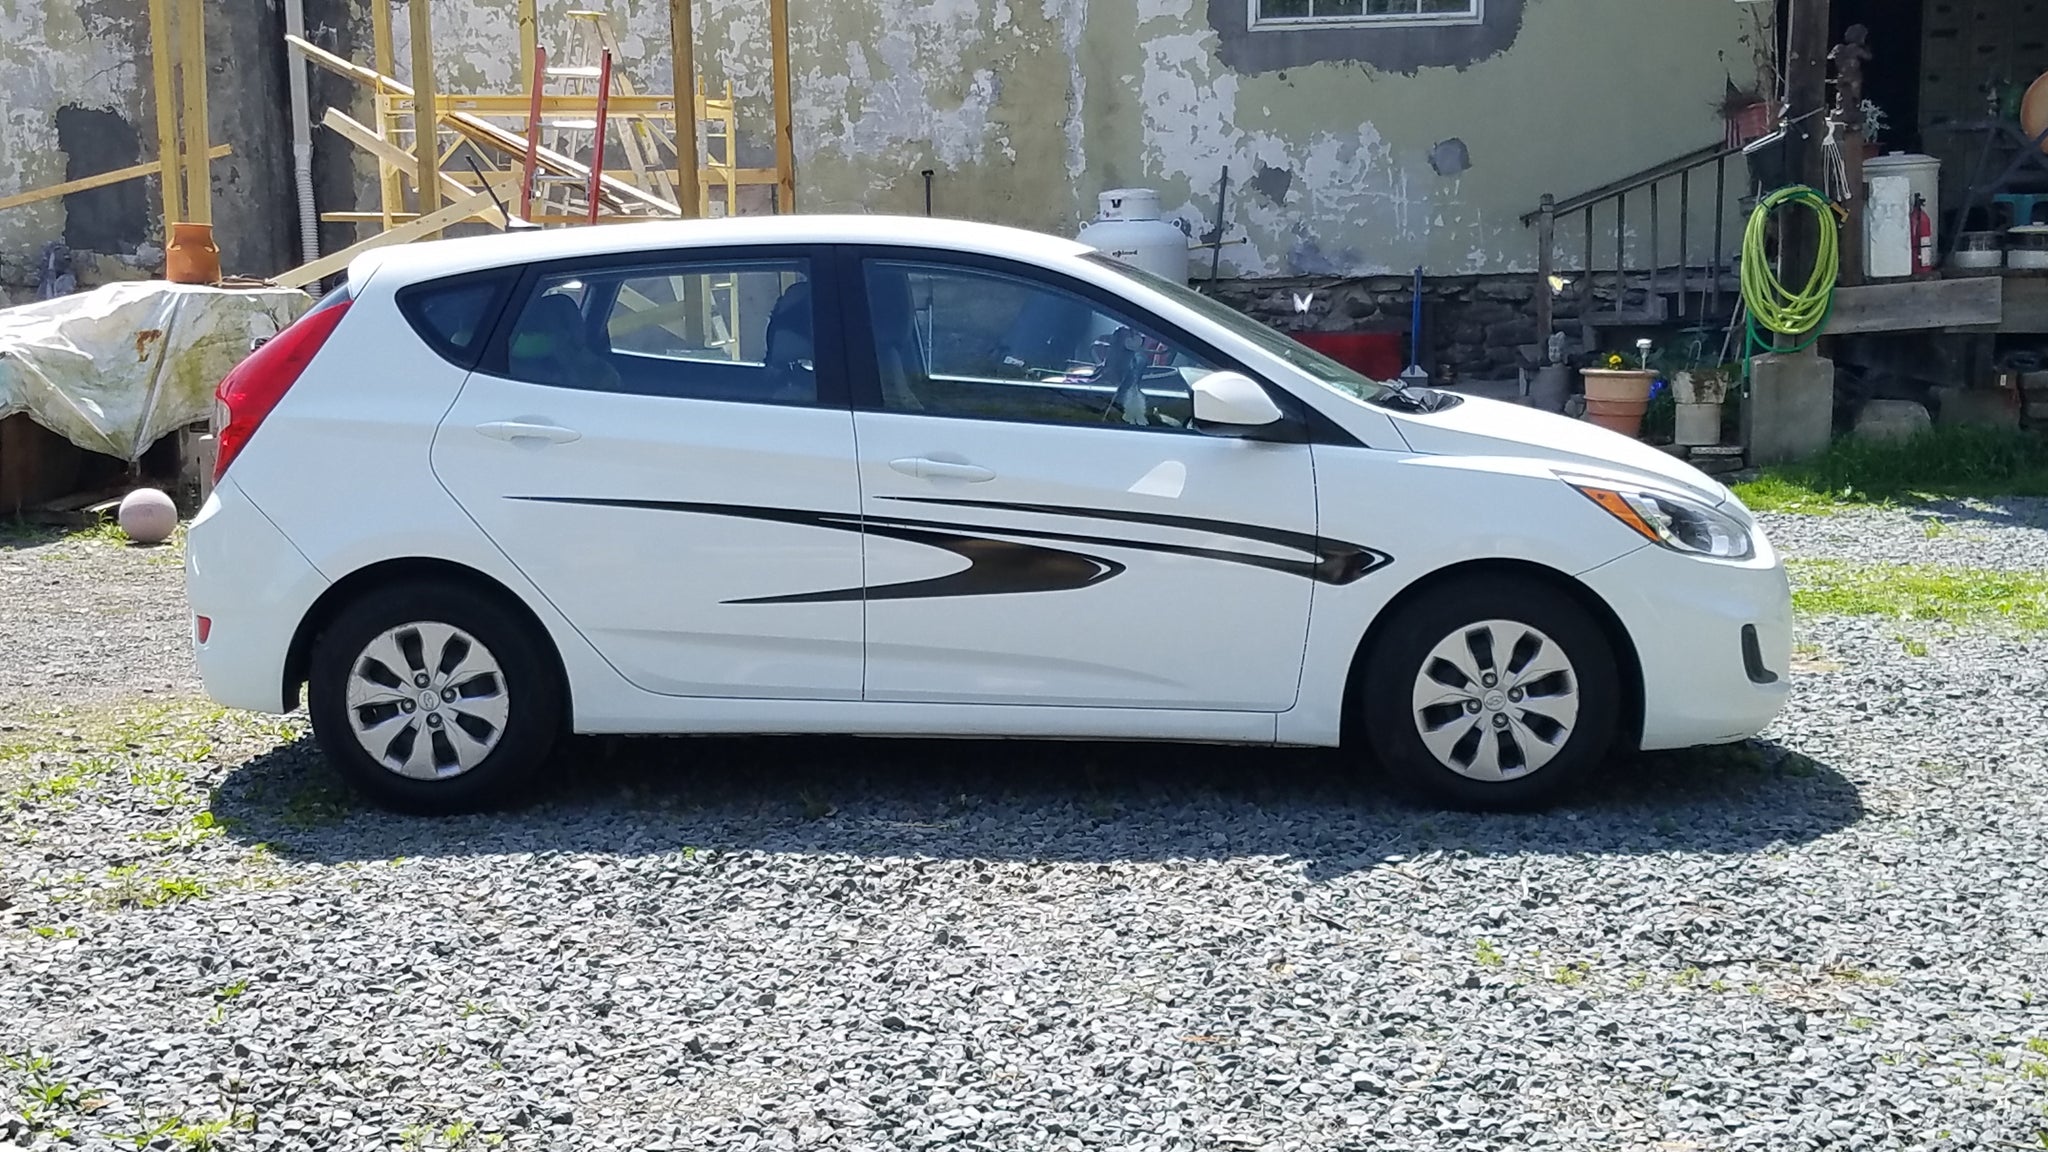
(1496, 700)
(427, 701)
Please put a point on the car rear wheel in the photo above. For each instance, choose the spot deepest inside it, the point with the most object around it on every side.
(432, 699)
(1498, 694)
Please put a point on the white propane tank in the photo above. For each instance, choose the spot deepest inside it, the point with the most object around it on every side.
(1128, 228)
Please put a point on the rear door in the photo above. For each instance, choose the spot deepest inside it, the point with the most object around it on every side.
(663, 445)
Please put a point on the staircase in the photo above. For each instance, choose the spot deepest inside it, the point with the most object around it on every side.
(1635, 268)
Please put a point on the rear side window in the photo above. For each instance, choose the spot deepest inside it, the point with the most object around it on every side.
(455, 315)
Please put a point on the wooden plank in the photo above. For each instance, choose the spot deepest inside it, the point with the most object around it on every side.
(87, 183)
(529, 40)
(2026, 305)
(622, 105)
(169, 164)
(683, 61)
(390, 192)
(480, 131)
(785, 127)
(425, 124)
(360, 135)
(192, 69)
(479, 204)
(1913, 304)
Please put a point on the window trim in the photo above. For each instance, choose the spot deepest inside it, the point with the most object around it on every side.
(1301, 422)
(827, 337)
(507, 279)
(1257, 23)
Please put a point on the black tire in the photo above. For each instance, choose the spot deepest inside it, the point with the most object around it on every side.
(533, 714)
(1392, 726)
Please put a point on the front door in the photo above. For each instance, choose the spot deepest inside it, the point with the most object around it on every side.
(1043, 523)
(662, 445)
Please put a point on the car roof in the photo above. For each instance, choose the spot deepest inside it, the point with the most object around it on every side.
(430, 259)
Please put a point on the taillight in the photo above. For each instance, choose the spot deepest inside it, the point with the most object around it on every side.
(254, 386)
(202, 626)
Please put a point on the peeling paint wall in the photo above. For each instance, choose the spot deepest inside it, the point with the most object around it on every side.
(71, 62)
(1025, 109)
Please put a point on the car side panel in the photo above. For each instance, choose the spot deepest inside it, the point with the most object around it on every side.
(1429, 513)
(341, 466)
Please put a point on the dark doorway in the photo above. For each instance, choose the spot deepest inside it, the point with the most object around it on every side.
(113, 218)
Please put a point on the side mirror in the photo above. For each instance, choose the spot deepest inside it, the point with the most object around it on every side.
(1234, 399)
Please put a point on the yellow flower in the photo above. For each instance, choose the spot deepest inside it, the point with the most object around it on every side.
(1614, 360)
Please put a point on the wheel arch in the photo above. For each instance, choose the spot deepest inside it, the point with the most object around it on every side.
(1628, 665)
(384, 573)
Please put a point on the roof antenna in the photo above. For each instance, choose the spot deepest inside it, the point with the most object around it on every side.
(512, 223)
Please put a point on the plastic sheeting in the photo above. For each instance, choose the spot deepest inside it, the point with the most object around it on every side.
(114, 369)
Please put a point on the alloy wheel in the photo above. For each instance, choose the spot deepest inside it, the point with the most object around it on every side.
(1495, 700)
(427, 701)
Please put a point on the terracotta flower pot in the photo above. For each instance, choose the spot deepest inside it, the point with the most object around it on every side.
(1617, 398)
(192, 257)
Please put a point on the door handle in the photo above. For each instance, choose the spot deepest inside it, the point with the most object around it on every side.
(925, 469)
(518, 430)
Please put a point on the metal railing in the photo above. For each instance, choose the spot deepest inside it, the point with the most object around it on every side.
(1694, 273)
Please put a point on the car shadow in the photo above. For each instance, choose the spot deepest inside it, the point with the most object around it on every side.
(1054, 801)
(2006, 512)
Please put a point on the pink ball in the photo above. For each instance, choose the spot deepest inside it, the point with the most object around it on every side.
(148, 516)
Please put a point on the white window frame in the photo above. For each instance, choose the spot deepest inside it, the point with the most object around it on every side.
(1257, 22)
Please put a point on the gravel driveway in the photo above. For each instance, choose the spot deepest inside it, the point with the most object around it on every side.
(1830, 938)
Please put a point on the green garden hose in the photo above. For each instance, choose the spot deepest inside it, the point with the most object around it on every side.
(1770, 307)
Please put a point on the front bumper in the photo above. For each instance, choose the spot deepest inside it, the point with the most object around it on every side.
(255, 587)
(1714, 640)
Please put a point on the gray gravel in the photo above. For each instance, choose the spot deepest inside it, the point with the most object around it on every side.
(1833, 938)
(84, 620)
(2005, 533)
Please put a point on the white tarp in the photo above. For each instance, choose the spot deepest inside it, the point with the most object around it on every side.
(114, 369)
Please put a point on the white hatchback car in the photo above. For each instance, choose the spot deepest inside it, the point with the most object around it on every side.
(915, 477)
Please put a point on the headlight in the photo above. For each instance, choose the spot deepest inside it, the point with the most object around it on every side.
(1677, 522)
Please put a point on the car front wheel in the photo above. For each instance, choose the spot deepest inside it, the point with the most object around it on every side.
(432, 699)
(1492, 693)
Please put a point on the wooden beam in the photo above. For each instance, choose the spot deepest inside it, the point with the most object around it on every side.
(192, 68)
(402, 161)
(170, 165)
(390, 191)
(639, 106)
(430, 224)
(529, 39)
(88, 183)
(1806, 81)
(1913, 304)
(785, 128)
(425, 124)
(479, 131)
(683, 62)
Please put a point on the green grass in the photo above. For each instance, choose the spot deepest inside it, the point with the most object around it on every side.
(1486, 955)
(1919, 592)
(1946, 462)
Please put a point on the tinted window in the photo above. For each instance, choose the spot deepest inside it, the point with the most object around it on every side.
(734, 330)
(955, 341)
(453, 316)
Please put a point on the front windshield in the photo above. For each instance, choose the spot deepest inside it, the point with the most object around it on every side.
(1317, 366)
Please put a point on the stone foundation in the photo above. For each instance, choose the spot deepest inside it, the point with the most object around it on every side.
(1476, 327)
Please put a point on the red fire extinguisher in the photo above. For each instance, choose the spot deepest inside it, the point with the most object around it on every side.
(1923, 237)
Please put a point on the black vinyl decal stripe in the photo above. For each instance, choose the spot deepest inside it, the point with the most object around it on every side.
(1336, 561)
(1006, 567)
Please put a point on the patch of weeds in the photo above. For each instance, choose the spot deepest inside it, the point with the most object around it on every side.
(1994, 1058)
(231, 990)
(1686, 977)
(1637, 980)
(815, 804)
(2034, 1070)
(1949, 461)
(182, 1135)
(164, 783)
(44, 1096)
(133, 890)
(65, 783)
(1486, 955)
(1718, 985)
(1572, 973)
(55, 931)
(1912, 646)
(1861, 1023)
(1932, 528)
(1919, 592)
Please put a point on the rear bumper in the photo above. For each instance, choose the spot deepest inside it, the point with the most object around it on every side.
(255, 587)
(1714, 641)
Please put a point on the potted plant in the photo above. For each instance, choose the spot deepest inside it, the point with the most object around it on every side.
(1873, 128)
(1747, 115)
(1617, 395)
(1699, 393)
